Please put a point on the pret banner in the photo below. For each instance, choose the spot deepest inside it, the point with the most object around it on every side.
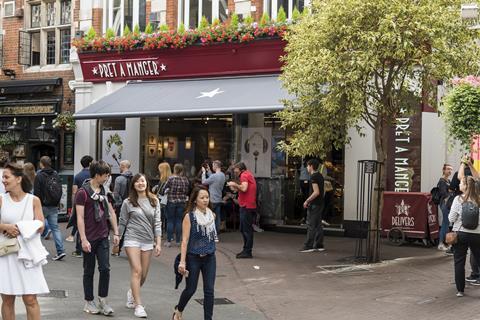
(404, 153)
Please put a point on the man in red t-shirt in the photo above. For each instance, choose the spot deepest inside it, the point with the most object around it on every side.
(247, 199)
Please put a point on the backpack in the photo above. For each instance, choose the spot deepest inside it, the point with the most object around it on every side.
(469, 215)
(52, 192)
(127, 189)
(436, 196)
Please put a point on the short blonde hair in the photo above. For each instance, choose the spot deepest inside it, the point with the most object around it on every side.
(165, 171)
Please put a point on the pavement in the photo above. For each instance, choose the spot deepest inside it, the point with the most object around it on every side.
(281, 283)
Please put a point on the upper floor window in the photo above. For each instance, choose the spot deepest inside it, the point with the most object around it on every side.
(272, 7)
(9, 8)
(121, 13)
(47, 38)
(158, 15)
(190, 12)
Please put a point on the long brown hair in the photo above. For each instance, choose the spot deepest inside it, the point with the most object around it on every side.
(17, 171)
(472, 192)
(193, 197)
(133, 194)
(29, 170)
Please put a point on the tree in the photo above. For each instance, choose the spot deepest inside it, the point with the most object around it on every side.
(462, 110)
(357, 63)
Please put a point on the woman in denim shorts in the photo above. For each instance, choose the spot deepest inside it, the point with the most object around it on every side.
(141, 226)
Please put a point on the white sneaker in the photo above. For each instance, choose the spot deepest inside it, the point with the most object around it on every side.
(91, 307)
(130, 300)
(140, 312)
(442, 247)
(104, 307)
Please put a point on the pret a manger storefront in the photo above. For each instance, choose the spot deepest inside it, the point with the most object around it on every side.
(218, 102)
(185, 106)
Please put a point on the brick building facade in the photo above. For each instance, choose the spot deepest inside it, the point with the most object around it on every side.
(35, 75)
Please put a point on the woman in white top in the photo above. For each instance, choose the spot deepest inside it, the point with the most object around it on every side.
(141, 228)
(467, 238)
(16, 204)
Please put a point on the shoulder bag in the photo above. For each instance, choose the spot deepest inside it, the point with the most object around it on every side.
(12, 245)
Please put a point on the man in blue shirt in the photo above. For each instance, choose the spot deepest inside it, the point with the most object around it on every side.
(78, 181)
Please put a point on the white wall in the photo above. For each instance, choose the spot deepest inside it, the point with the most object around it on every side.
(360, 148)
(436, 150)
(132, 125)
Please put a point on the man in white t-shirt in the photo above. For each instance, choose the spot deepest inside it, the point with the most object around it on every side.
(3, 162)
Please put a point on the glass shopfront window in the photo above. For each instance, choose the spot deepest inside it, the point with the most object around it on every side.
(189, 141)
(252, 138)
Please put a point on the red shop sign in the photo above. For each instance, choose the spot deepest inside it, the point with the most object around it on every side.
(256, 57)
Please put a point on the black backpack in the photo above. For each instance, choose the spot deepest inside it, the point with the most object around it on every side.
(436, 195)
(469, 215)
(127, 189)
(52, 192)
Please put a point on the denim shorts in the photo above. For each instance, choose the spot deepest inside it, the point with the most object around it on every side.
(144, 246)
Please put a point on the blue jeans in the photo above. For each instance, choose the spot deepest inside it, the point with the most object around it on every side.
(46, 229)
(174, 220)
(51, 215)
(445, 223)
(208, 266)
(246, 228)
(217, 209)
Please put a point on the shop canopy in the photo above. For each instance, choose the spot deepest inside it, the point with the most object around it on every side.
(188, 97)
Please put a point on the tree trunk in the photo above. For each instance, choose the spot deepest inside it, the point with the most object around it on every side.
(381, 146)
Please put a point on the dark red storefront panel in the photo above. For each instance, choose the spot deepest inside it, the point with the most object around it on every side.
(256, 57)
(412, 212)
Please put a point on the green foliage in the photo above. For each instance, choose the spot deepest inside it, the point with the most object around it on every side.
(356, 63)
(64, 121)
(296, 15)
(216, 22)
(281, 15)
(264, 20)
(163, 28)
(110, 34)
(6, 140)
(126, 31)
(462, 113)
(136, 30)
(248, 21)
(181, 29)
(149, 28)
(203, 24)
(91, 34)
(234, 21)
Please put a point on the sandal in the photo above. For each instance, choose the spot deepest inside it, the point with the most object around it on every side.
(177, 315)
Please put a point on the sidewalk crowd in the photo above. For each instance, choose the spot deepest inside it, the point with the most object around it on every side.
(131, 215)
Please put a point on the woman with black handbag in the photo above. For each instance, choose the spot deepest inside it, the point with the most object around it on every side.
(17, 205)
(464, 214)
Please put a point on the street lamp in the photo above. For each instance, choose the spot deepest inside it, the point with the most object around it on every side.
(15, 131)
(44, 131)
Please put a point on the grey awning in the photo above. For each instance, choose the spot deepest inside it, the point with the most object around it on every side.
(185, 97)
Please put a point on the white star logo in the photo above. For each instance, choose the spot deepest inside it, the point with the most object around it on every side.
(402, 208)
(210, 94)
(95, 70)
(163, 67)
